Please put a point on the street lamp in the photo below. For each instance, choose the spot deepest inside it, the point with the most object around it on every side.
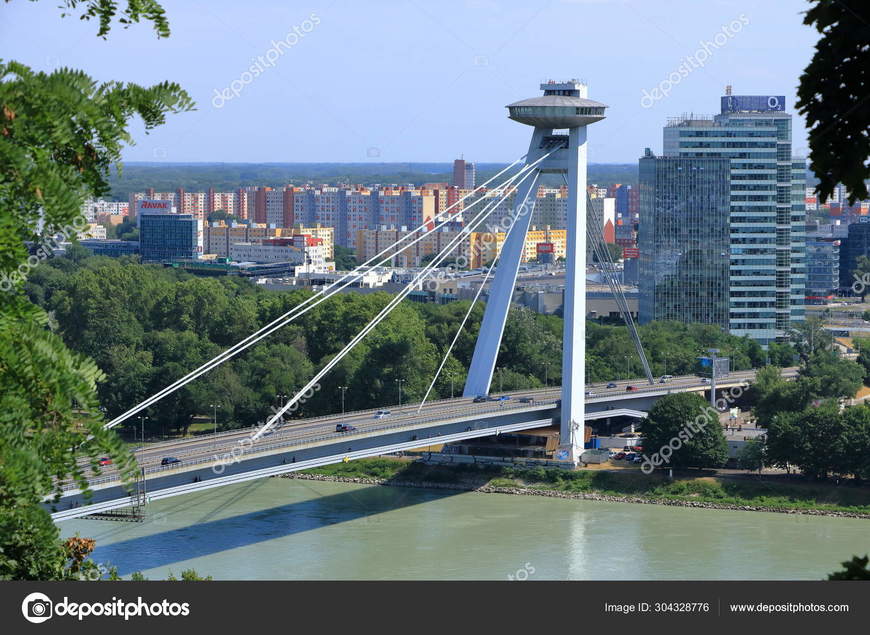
(628, 366)
(450, 375)
(215, 406)
(500, 379)
(343, 390)
(546, 374)
(400, 382)
(142, 427)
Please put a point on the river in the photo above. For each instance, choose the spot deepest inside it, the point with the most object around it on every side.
(283, 529)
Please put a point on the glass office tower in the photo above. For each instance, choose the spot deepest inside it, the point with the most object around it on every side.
(767, 270)
(684, 239)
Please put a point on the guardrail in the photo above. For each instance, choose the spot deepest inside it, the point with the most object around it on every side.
(158, 469)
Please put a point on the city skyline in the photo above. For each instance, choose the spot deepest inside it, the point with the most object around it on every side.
(312, 101)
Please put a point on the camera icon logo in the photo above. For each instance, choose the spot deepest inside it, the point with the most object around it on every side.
(36, 608)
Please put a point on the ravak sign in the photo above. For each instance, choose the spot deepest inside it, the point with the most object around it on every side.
(154, 205)
(753, 103)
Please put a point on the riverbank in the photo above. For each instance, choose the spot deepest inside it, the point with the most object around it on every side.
(706, 492)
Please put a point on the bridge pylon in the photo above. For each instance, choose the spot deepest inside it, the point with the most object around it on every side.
(559, 119)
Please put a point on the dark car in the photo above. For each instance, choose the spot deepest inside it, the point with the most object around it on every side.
(169, 460)
(105, 461)
(526, 400)
(344, 427)
(619, 456)
(611, 385)
(480, 399)
(631, 388)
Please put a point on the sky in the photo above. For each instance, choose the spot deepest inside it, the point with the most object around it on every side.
(417, 80)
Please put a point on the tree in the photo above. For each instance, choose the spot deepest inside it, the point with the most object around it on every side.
(345, 259)
(827, 375)
(833, 96)
(810, 336)
(106, 10)
(60, 133)
(683, 429)
(854, 569)
(751, 455)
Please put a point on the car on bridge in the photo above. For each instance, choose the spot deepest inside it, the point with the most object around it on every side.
(480, 399)
(527, 400)
(169, 460)
(630, 388)
(504, 398)
(380, 414)
(610, 384)
(665, 379)
(344, 427)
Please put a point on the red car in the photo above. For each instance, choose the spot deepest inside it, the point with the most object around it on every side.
(619, 456)
(105, 461)
(631, 388)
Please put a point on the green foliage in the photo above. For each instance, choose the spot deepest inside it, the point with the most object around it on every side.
(822, 441)
(345, 259)
(833, 96)
(188, 575)
(59, 134)
(854, 569)
(810, 336)
(686, 424)
(825, 375)
(104, 12)
(751, 456)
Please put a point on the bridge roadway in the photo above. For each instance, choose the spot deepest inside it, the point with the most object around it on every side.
(227, 457)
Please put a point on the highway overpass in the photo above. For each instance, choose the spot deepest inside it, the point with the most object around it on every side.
(230, 457)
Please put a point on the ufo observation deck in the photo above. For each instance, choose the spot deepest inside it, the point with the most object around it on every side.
(563, 105)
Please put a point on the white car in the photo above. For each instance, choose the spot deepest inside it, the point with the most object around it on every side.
(380, 414)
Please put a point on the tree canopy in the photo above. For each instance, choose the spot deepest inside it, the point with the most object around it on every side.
(834, 96)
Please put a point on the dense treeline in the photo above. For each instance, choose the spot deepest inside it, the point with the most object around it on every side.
(146, 326)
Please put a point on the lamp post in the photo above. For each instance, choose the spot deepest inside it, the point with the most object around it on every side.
(142, 427)
(546, 374)
(343, 390)
(399, 382)
(215, 406)
(450, 375)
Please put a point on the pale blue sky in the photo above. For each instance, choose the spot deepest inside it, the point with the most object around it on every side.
(415, 80)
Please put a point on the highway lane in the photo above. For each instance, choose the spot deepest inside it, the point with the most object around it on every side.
(296, 431)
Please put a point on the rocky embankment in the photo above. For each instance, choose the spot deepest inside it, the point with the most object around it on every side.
(609, 498)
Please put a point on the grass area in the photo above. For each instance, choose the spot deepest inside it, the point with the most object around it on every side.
(771, 493)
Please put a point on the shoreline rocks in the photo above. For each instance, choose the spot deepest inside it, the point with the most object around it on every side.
(607, 498)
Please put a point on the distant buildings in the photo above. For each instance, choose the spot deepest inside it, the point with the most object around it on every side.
(684, 239)
(164, 237)
(855, 245)
(219, 237)
(463, 174)
(475, 249)
(766, 224)
(823, 268)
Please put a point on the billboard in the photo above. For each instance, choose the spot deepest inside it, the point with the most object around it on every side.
(630, 252)
(153, 206)
(546, 248)
(753, 103)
